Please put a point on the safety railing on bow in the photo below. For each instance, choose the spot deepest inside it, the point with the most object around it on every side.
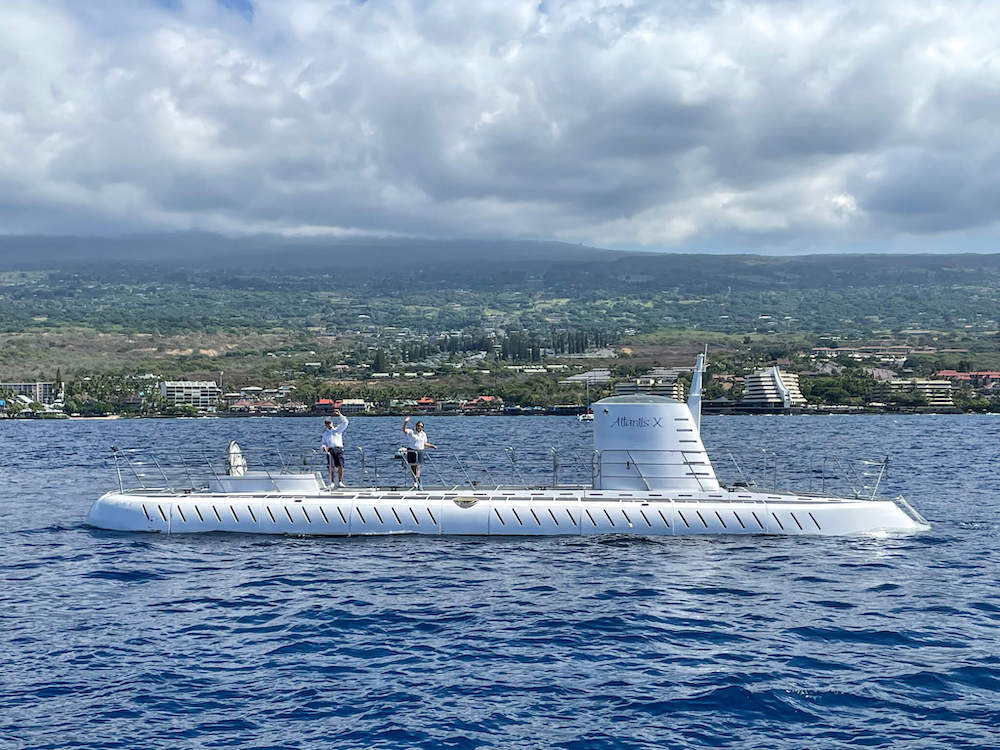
(190, 469)
(808, 474)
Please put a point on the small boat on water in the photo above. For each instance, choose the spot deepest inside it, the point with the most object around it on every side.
(650, 476)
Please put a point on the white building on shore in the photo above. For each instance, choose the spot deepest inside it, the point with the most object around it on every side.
(355, 406)
(772, 389)
(203, 395)
(591, 377)
(654, 386)
(936, 393)
(43, 393)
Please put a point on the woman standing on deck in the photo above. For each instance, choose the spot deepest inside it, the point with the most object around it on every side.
(417, 442)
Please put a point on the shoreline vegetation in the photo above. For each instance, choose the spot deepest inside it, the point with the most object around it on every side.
(109, 318)
(795, 412)
(820, 410)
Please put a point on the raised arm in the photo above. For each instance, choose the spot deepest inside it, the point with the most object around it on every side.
(406, 421)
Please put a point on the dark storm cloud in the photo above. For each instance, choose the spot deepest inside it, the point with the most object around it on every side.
(704, 125)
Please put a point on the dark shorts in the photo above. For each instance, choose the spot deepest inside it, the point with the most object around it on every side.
(414, 458)
(335, 457)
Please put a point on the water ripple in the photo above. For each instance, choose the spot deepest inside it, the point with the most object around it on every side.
(124, 640)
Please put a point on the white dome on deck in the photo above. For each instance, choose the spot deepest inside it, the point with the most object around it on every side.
(649, 442)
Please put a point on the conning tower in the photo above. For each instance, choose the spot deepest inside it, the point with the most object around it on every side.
(646, 442)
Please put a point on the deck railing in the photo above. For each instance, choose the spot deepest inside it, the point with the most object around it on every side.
(189, 469)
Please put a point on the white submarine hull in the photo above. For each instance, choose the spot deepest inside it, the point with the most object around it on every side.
(501, 513)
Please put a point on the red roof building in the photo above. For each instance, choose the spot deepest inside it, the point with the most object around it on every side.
(326, 405)
(981, 377)
(483, 403)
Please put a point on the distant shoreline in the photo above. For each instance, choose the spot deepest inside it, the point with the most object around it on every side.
(116, 417)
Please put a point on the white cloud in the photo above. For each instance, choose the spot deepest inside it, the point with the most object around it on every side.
(777, 125)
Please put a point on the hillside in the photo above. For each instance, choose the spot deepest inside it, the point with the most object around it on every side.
(197, 283)
(477, 264)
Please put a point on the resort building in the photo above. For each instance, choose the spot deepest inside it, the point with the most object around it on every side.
(935, 393)
(772, 389)
(590, 377)
(255, 407)
(201, 394)
(43, 393)
(326, 406)
(355, 406)
(654, 386)
(482, 404)
(985, 379)
(667, 373)
(886, 353)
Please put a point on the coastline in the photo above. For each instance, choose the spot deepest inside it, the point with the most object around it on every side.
(724, 413)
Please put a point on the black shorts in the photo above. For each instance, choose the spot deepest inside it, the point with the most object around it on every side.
(335, 457)
(414, 458)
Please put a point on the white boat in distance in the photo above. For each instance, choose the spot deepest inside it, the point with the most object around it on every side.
(651, 476)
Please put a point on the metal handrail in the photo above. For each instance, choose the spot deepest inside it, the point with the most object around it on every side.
(128, 463)
(739, 469)
(538, 468)
(637, 469)
(464, 471)
(118, 469)
(691, 471)
(485, 469)
(881, 475)
(364, 463)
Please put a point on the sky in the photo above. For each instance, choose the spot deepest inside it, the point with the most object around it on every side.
(776, 126)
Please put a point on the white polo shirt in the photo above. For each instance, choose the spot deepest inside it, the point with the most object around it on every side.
(417, 440)
(333, 437)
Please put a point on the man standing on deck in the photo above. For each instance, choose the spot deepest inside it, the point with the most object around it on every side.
(333, 447)
(418, 441)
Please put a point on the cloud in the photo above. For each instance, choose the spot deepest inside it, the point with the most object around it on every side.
(778, 126)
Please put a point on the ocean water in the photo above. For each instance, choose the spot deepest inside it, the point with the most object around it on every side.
(144, 641)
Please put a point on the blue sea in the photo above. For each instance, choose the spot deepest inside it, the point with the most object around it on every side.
(118, 640)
